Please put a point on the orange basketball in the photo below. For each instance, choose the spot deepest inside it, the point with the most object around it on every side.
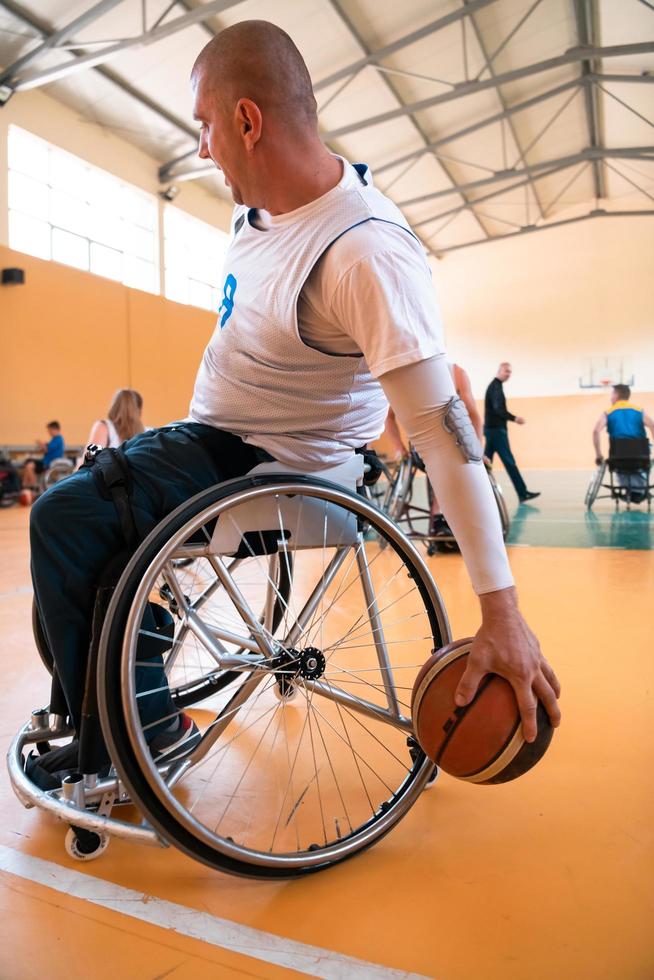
(25, 498)
(481, 742)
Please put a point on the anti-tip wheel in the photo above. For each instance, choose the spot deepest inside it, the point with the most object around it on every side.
(85, 845)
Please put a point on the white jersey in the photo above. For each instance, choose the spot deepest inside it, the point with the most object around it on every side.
(260, 378)
(112, 431)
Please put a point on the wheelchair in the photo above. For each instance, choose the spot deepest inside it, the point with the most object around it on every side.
(294, 638)
(394, 494)
(626, 475)
(58, 470)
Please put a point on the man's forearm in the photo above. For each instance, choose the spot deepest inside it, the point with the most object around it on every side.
(419, 394)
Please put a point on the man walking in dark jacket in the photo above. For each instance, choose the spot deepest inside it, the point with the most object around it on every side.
(497, 439)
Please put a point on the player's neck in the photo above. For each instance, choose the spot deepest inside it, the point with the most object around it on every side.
(299, 179)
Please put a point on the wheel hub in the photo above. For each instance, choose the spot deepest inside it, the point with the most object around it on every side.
(312, 663)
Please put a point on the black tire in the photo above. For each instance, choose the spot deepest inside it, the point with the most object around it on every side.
(116, 723)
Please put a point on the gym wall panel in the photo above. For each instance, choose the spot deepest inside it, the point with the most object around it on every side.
(166, 345)
(545, 301)
(558, 432)
(69, 339)
(64, 343)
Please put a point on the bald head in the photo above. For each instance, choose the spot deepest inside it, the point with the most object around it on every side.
(257, 60)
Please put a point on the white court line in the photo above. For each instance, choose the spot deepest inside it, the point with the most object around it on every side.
(266, 946)
(22, 590)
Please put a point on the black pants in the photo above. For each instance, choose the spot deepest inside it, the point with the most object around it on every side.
(75, 533)
(497, 441)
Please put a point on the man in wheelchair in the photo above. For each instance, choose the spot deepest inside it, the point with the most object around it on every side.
(629, 449)
(328, 310)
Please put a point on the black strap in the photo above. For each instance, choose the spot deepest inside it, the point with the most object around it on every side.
(111, 472)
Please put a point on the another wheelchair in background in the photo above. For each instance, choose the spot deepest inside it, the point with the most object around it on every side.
(625, 475)
(395, 495)
(58, 470)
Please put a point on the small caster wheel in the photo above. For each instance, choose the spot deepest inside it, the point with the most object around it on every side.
(85, 845)
(435, 773)
(431, 550)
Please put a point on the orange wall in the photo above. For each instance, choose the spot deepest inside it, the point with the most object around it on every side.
(558, 430)
(69, 339)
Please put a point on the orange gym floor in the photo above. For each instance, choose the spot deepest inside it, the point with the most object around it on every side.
(550, 876)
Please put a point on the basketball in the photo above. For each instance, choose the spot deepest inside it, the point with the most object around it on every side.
(481, 742)
(25, 498)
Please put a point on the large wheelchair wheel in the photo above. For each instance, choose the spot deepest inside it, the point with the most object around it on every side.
(308, 756)
(594, 485)
(203, 583)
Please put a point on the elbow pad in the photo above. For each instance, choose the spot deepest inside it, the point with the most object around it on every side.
(456, 421)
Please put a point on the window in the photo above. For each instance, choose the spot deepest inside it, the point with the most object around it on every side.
(62, 208)
(194, 255)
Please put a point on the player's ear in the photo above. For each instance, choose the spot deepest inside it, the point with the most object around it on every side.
(249, 121)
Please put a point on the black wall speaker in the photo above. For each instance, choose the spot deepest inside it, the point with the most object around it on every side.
(13, 277)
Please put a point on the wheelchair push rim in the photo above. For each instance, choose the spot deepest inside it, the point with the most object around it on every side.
(326, 772)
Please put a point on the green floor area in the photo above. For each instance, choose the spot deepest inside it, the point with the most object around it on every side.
(559, 519)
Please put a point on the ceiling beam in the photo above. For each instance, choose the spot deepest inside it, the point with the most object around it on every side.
(552, 167)
(58, 37)
(93, 59)
(591, 153)
(40, 26)
(500, 95)
(336, 6)
(373, 57)
(461, 89)
(168, 172)
(596, 213)
(584, 14)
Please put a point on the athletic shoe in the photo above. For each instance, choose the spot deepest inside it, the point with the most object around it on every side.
(175, 742)
(439, 528)
(530, 495)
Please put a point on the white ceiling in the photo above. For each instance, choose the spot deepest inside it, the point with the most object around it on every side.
(456, 193)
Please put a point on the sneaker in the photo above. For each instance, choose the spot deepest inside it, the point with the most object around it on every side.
(530, 495)
(175, 742)
(439, 527)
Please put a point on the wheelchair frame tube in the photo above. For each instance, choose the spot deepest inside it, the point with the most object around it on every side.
(31, 795)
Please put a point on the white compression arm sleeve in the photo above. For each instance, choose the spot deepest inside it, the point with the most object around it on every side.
(418, 394)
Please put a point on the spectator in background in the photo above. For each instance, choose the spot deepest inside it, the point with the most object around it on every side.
(497, 437)
(53, 449)
(122, 422)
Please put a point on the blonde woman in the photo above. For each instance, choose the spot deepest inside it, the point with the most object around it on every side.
(122, 422)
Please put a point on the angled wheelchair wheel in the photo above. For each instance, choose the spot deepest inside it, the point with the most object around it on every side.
(308, 756)
(59, 470)
(594, 485)
(505, 520)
